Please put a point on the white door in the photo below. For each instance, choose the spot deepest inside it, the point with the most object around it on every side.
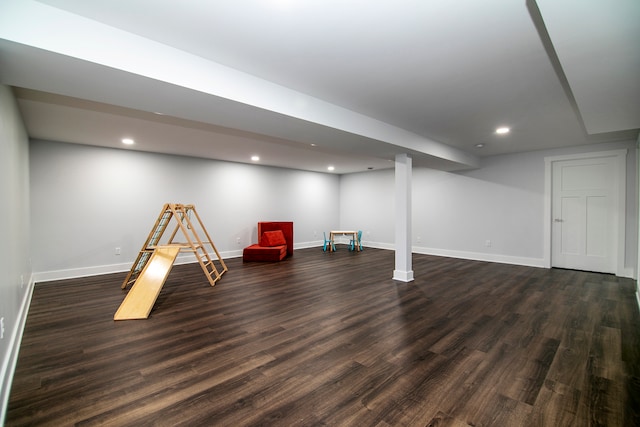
(584, 224)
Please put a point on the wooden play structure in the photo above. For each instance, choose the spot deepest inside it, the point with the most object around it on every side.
(155, 260)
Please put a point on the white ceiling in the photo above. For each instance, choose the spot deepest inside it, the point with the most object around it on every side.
(361, 80)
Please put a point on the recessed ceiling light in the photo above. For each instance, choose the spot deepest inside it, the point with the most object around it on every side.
(479, 145)
(313, 145)
(255, 158)
(128, 141)
(331, 168)
(503, 130)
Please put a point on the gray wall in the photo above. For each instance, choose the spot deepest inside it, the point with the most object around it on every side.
(86, 201)
(15, 271)
(454, 214)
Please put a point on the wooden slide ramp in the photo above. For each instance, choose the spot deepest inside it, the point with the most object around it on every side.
(144, 292)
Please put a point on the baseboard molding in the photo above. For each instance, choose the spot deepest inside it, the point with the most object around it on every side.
(479, 256)
(53, 275)
(307, 245)
(403, 276)
(628, 273)
(9, 365)
(48, 276)
(473, 256)
(378, 245)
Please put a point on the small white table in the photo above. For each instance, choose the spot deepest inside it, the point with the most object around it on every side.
(333, 233)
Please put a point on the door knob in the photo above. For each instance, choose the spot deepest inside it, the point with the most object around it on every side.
(558, 220)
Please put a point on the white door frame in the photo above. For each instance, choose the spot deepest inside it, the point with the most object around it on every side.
(620, 186)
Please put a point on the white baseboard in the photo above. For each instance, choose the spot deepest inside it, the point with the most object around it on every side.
(71, 273)
(627, 272)
(474, 256)
(48, 276)
(480, 256)
(403, 276)
(9, 365)
(378, 245)
(306, 245)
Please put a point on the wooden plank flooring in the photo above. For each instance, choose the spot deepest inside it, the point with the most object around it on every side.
(330, 339)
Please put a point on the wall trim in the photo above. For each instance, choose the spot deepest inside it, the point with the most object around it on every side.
(72, 273)
(479, 256)
(10, 363)
(472, 256)
(49, 276)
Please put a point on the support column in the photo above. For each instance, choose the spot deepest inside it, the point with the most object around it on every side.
(404, 267)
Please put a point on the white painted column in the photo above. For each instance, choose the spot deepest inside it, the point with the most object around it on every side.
(404, 266)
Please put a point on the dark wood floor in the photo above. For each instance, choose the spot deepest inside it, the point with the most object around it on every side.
(330, 339)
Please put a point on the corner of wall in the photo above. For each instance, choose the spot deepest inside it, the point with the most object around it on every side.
(10, 362)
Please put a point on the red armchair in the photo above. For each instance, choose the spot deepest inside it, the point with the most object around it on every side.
(275, 242)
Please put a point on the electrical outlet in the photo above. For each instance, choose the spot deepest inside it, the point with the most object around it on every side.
(487, 243)
(418, 239)
(238, 240)
(1, 328)
(117, 251)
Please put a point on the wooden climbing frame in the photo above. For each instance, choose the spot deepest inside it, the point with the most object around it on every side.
(161, 254)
